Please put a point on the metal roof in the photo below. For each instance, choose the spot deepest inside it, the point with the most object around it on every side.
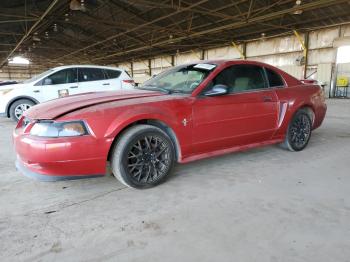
(106, 32)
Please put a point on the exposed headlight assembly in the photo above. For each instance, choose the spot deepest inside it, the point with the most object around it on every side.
(59, 129)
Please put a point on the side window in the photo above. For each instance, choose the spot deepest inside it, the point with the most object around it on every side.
(275, 80)
(111, 74)
(240, 78)
(64, 76)
(90, 74)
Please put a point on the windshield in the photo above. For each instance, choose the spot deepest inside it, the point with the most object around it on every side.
(37, 76)
(180, 79)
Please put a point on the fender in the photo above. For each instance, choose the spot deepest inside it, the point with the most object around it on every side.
(7, 109)
(126, 118)
(291, 110)
(164, 116)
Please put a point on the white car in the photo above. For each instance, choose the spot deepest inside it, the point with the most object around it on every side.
(59, 82)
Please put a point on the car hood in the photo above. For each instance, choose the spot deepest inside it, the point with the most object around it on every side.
(58, 107)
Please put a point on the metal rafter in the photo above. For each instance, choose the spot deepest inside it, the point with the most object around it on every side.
(185, 32)
(205, 25)
(307, 6)
(53, 3)
(132, 30)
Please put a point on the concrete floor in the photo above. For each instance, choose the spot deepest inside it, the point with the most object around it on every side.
(266, 204)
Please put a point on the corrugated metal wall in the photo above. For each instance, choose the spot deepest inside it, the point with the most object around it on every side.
(283, 52)
(18, 72)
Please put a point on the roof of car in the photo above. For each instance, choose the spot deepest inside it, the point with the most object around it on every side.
(88, 66)
(225, 61)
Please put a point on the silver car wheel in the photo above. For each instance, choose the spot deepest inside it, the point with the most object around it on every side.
(19, 110)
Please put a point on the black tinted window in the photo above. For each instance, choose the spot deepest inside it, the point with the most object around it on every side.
(64, 76)
(275, 79)
(90, 74)
(112, 73)
(240, 78)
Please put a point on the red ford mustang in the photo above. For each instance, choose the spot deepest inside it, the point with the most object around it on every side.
(184, 114)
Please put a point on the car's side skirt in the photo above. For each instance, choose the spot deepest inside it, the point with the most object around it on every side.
(230, 150)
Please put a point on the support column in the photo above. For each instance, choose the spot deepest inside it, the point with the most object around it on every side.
(202, 54)
(241, 52)
(150, 67)
(304, 45)
(132, 69)
(172, 60)
(306, 54)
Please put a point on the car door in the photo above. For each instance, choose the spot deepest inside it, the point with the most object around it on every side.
(246, 115)
(92, 80)
(59, 84)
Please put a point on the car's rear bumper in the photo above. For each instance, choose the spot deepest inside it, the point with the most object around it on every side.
(60, 158)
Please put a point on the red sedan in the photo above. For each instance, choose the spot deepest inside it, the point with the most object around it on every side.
(186, 113)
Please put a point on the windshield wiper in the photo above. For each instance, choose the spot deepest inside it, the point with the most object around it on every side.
(155, 88)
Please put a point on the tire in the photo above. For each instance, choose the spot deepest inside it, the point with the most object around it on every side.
(143, 157)
(18, 107)
(298, 132)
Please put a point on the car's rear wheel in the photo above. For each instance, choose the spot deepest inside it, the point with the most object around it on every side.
(299, 131)
(143, 156)
(19, 107)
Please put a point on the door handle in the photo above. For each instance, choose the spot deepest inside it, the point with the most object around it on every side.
(267, 98)
(106, 84)
(73, 87)
(36, 91)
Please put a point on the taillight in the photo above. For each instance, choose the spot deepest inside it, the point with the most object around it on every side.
(129, 81)
(24, 123)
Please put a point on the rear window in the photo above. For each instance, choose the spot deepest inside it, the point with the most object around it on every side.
(90, 74)
(110, 74)
(275, 80)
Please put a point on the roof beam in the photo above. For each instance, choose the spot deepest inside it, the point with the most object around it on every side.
(265, 17)
(206, 24)
(53, 3)
(133, 29)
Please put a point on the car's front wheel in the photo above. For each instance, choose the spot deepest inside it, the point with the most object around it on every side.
(299, 131)
(143, 156)
(19, 107)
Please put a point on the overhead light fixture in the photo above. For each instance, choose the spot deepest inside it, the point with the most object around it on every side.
(18, 60)
(76, 5)
(37, 39)
(171, 41)
(298, 10)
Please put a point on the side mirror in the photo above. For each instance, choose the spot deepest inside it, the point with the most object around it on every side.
(47, 81)
(217, 90)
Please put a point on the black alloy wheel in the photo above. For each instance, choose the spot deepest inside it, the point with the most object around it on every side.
(143, 156)
(299, 131)
(148, 159)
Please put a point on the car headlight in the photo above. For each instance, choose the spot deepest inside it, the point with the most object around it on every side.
(59, 129)
(5, 91)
